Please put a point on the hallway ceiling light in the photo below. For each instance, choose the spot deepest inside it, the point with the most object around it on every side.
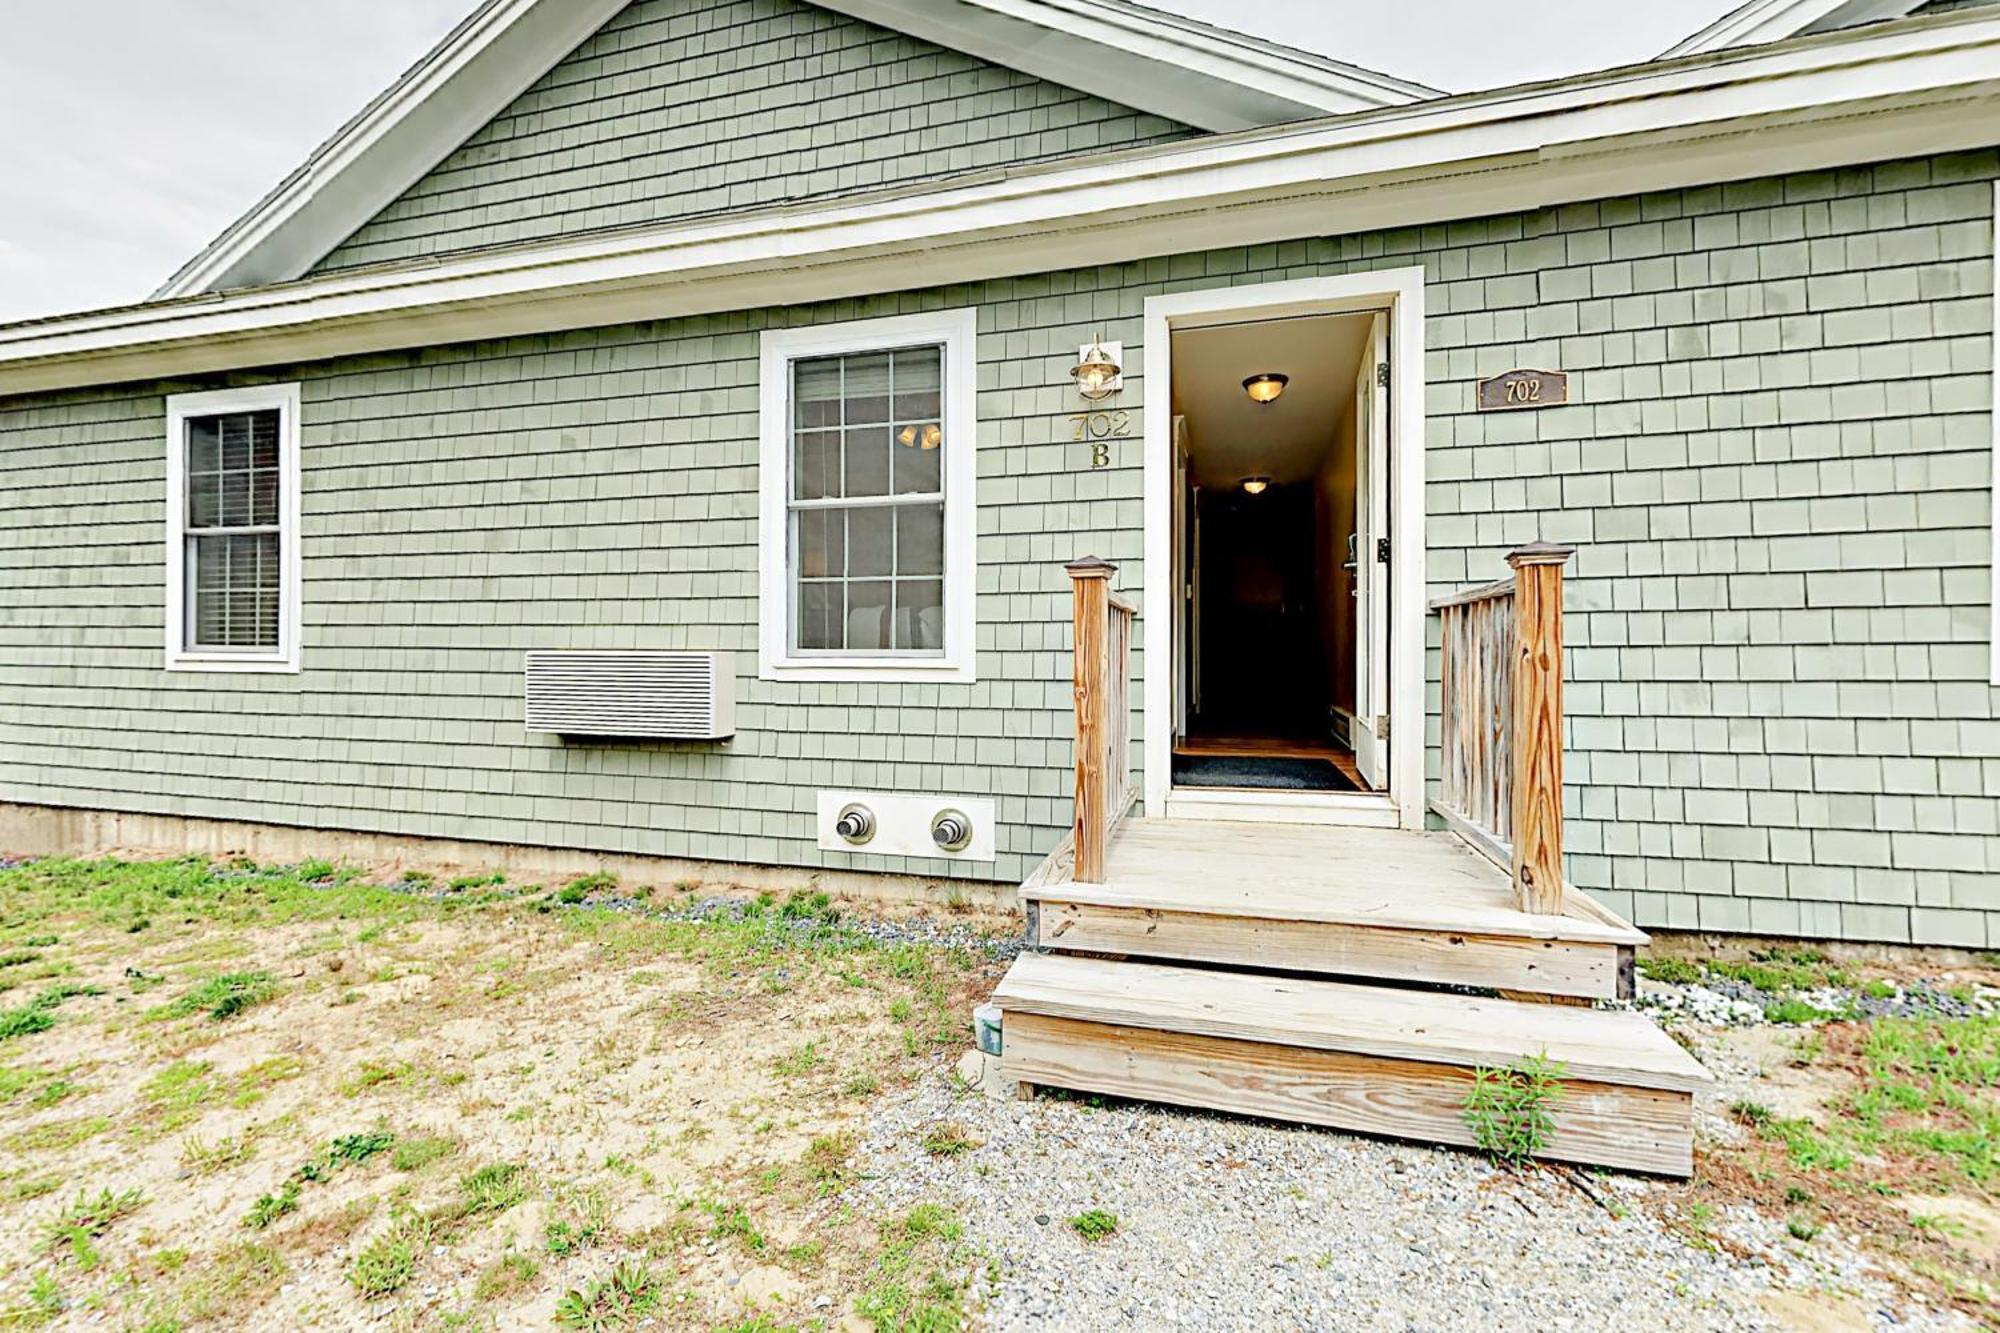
(1255, 485)
(1265, 388)
(1097, 372)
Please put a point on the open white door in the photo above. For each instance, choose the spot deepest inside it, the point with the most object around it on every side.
(1371, 572)
(1182, 588)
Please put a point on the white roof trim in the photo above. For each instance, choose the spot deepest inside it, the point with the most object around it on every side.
(1870, 95)
(1171, 66)
(440, 102)
(1762, 21)
(1193, 73)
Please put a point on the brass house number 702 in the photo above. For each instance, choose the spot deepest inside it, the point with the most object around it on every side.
(1098, 429)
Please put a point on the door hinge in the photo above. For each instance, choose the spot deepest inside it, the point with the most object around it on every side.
(1382, 728)
(1381, 550)
(1382, 374)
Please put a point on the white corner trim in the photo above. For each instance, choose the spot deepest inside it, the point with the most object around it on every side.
(482, 65)
(958, 332)
(1401, 292)
(1761, 21)
(1993, 490)
(181, 406)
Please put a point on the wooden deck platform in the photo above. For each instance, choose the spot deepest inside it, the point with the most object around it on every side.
(1378, 1059)
(1228, 965)
(1309, 959)
(1340, 901)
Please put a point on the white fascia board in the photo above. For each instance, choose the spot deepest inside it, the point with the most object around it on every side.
(481, 67)
(1185, 71)
(1846, 98)
(1762, 21)
(1189, 72)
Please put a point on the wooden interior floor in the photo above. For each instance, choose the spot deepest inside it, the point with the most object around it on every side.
(1395, 878)
(1277, 747)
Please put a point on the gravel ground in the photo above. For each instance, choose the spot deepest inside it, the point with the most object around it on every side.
(1226, 1223)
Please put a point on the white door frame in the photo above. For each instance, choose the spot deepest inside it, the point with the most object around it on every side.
(1401, 292)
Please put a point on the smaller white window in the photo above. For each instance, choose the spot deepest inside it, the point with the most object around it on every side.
(867, 474)
(233, 530)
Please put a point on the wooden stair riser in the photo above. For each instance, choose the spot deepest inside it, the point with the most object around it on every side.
(1598, 1124)
(1528, 966)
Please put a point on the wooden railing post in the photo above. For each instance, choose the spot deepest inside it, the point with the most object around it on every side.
(1537, 726)
(1090, 582)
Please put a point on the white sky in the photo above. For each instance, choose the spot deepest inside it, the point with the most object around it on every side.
(133, 131)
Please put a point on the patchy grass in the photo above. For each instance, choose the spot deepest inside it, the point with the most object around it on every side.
(628, 1294)
(325, 1134)
(79, 1225)
(38, 1014)
(221, 997)
(385, 1263)
(917, 1282)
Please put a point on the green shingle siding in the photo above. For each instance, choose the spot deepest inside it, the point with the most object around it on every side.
(682, 107)
(1777, 471)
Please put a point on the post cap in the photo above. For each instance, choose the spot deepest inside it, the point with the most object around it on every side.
(1540, 553)
(1091, 567)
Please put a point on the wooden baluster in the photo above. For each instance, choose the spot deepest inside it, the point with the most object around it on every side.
(1536, 798)
(1090, 582)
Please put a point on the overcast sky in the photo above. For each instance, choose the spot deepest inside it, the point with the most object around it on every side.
(132, 131)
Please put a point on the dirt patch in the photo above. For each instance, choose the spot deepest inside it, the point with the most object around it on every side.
(468, 1117)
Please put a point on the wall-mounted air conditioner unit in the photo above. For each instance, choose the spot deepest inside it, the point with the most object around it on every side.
(676, 695)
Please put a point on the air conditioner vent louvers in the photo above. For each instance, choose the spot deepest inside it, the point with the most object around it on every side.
(675, 695)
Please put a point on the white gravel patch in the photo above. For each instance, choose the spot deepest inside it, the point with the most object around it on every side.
(1228, 1224)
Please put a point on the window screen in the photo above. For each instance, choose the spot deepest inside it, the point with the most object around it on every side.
(233, 532)
(866, 502)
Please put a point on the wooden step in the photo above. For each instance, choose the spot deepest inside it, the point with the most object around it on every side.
(1349, 902)
(1375, 1059)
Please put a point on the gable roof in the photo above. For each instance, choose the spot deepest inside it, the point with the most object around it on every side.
(1195, 73)
(1874, 95)
(1761, 21)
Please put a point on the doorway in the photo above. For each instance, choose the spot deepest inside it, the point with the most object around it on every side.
(1284, 620)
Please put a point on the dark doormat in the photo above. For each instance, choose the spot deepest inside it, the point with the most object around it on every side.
(1261, 772)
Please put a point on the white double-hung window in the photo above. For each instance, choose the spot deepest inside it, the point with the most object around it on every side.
(866, 473)
(233, 530)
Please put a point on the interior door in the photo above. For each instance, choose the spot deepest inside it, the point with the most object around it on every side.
(1183, 607)
(1371, 575)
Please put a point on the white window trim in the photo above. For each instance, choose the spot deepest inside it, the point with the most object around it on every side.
(957, 331)
(181, 406)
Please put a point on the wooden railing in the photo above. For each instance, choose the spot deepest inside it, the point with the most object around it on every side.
(1103, 712)
(1500, 730)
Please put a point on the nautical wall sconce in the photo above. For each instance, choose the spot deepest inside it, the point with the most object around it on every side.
(1265, 388)
(1097, 372)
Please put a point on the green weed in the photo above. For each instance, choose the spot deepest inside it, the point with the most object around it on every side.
(1094, 1224)
(1509, 1109)
(85, 1220)
(1672, 971)
(385, 1263)
(494, 1188)
(627, 1295)
(270, 1207)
